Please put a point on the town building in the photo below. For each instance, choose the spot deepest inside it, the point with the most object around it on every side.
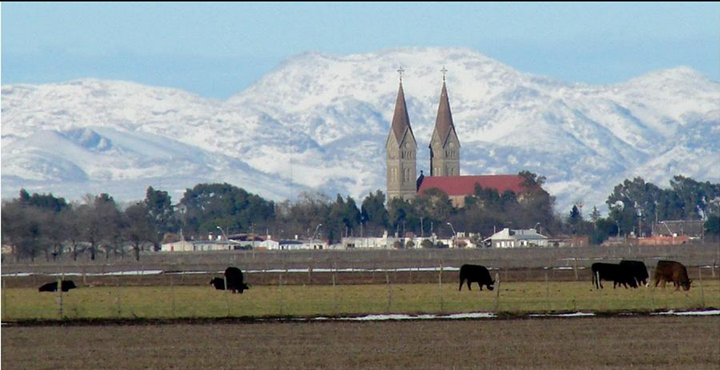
(508, 238)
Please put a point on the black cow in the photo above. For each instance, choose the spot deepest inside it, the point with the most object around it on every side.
(219, 283)
(619, 275)
(475, 274)
(672, 271)
(234, 278)
(52, 287)
(637, 270)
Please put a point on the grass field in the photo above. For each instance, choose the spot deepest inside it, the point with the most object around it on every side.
(581, 343)
(328, 300)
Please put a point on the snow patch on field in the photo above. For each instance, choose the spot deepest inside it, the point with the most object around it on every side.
(690, 313)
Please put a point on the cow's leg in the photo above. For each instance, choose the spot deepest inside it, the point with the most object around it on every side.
(480, 285)
(461, 283)
(469, 284)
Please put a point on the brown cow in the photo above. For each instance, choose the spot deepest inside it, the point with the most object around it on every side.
(674, 272)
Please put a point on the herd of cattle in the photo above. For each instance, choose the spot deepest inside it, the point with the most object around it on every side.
(632, 273)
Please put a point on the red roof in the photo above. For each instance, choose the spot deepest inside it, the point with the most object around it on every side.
(465, 185)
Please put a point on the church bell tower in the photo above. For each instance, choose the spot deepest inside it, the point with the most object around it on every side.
(401, 149)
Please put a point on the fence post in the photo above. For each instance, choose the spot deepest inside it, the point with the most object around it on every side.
(227, 297)
(118, 299)
(576, 269)
(389, 289)
(334, 295)
(702, 291)
(60, 296)
(497, 293)
(280, 295)
(598, 287)
(172, 296)
(713, 267)
(652, 298)
(5, 301)
(442, 301)
(547, 292)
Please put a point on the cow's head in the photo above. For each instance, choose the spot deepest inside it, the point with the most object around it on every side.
(686, 285)
(490, 286)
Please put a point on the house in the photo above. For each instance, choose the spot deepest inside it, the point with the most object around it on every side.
(507, 238)
(296, 244)
(692, 228)
(196, 246)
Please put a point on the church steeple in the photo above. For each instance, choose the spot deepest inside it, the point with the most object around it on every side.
(444, 144)
(401, 149)
(401, 120)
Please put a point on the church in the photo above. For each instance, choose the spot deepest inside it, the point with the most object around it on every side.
(401, 158)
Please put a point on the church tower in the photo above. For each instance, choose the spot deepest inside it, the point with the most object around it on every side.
(401, 149)
(444, 144)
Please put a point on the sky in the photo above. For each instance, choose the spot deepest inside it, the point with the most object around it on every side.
(217, 50)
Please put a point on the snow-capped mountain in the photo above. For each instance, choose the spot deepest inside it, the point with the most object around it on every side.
(320, 121)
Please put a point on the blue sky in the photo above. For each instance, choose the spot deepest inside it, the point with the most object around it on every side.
(218, 49)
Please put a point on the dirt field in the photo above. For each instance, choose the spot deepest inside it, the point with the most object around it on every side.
(646, 342)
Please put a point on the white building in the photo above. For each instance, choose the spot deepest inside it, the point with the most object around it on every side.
(196, 246)
(507, 238)
(270, 244)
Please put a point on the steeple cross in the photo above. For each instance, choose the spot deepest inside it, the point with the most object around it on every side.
(443, 72)
(400, 72)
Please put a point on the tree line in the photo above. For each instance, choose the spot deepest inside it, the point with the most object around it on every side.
(43, 225)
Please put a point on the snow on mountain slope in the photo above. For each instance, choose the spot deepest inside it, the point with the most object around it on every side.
(319, 121)
(101, 156)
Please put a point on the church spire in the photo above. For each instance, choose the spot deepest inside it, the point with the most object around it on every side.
(444, 143)
(443, 122)
(401, 120)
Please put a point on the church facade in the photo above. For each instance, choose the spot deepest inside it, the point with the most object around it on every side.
(401, 155)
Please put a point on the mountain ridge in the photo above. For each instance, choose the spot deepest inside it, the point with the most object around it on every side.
(314, 122)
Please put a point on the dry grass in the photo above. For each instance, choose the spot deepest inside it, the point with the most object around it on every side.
(589, 343)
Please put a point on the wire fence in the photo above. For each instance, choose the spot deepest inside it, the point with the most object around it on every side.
(338, 291)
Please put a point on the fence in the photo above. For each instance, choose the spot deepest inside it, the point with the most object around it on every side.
(338, 291)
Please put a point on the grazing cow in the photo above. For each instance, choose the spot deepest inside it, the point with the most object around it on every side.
(218, 283)
(638, 271)
(234, 278)
(618, 274)
(475, 274)
(66, 285)
(674, 272)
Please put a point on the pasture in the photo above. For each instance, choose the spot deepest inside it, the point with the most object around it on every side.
(203, 301)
